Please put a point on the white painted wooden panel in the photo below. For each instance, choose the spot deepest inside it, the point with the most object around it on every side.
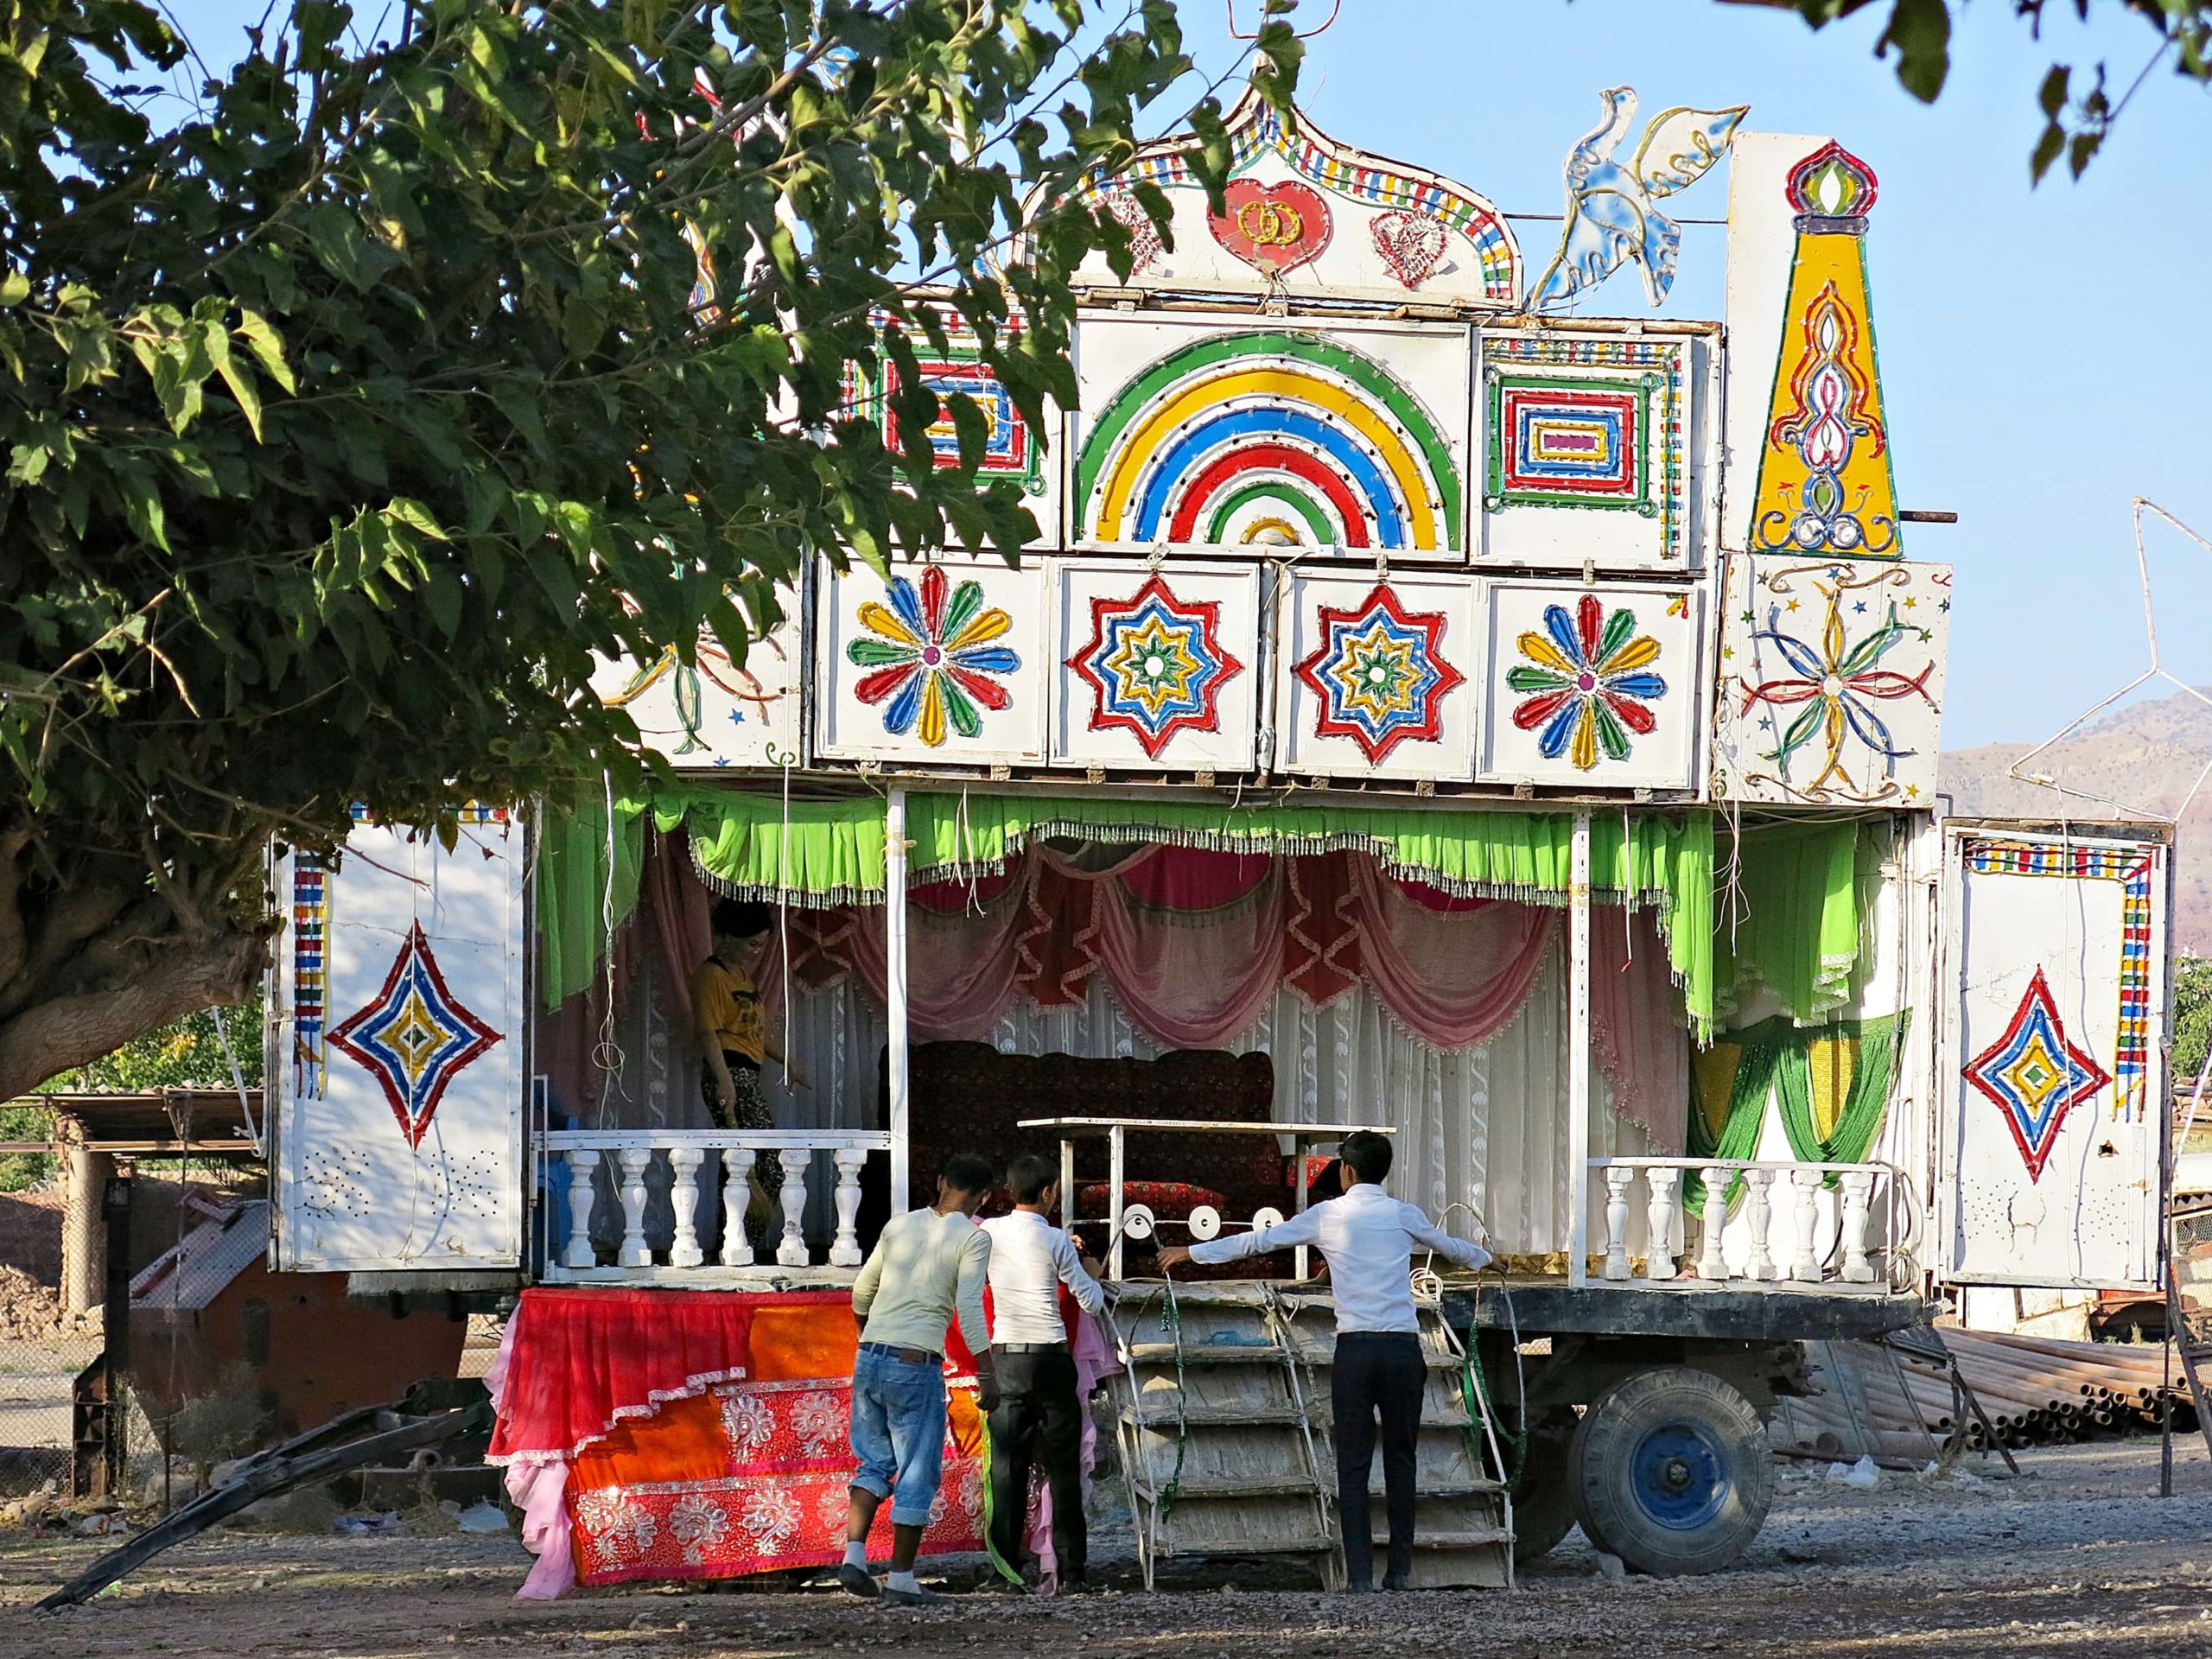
(945, 665)
(2053, 1083)
(713, 715)
(1156, 669)
(1378, 679)
(400, 1003)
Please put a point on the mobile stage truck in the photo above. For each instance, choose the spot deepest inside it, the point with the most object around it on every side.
(1425, 708)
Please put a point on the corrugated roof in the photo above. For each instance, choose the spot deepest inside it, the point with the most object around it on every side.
(212, 1255)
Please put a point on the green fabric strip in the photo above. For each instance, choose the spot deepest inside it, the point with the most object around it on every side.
(574, 898)
(1795, 929)
(1778, 1056)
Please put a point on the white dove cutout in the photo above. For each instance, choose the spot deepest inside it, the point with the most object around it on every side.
(1610, 216)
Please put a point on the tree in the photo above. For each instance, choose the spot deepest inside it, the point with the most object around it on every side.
(2076, 123)
(347, 416)
(2192, 1017)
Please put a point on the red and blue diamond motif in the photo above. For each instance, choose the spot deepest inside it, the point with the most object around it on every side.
(2035, 1075)
(415, 1038)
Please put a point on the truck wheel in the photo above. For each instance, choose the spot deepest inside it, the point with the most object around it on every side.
(1671, 1472)
(1543, 1503)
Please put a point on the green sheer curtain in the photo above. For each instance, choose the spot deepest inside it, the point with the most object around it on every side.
(822, 853)
(1792, 919)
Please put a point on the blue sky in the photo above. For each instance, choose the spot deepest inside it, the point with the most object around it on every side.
(2042, 349)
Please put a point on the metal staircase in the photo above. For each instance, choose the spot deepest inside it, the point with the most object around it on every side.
(1222, 1415)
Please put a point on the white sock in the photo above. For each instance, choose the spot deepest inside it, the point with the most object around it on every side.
(856, 1555)
(903, 1580)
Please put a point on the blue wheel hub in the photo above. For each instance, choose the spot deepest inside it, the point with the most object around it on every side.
(1679, 1477)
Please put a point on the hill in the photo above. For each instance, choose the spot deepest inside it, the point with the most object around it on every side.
(2146, 754)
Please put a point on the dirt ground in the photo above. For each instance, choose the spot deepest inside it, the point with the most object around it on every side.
(2078, 1557)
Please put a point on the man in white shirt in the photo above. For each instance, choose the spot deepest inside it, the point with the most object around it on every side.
(1368, 1238)
(927, 1269)
(1039, 1415)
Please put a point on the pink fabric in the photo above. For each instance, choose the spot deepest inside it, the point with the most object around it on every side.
(1094, 1361)
(681, 910)
(1194, 943)
(1197, 982)
(537, 1489)
(1634, 1034)
(1195, 877)
(1453, 979)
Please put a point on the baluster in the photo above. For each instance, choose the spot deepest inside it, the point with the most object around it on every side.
(1758, 1215)
(1857, 1210)
(583, 1164)
(635, 1253)
(1618, 1176)
(1805, 1216)
(737, 1196)
(791, 1253)
(1710, 1263)
(683, 1250)
(845, 1249)
(1659, 1219)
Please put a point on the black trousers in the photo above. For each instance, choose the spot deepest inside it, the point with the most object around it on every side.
(1376, 1373)
(1038, 1421)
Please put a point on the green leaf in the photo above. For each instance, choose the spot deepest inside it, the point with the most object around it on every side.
(15, 288)
(267, 347)
(1921, 31)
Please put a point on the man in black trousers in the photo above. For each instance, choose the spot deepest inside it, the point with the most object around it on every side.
(1040, 1414)
(1368, 1238)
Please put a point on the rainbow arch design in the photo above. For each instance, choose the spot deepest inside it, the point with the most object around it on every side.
(1268, 437)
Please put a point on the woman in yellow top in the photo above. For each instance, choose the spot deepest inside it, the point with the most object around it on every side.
(734, 1042)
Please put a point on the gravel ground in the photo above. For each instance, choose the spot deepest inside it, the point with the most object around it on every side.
(2077, 1557)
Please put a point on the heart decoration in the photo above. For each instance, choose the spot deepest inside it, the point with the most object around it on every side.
(1144, 239)
(1273, 228)
(1410, 245)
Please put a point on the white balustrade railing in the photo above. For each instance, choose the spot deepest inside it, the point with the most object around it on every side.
(571, 1160)
(1853, 1232)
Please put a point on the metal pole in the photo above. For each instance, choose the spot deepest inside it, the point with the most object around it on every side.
(115, 1325)
(1116, 1171)
(894, 963)
(1578, 1057)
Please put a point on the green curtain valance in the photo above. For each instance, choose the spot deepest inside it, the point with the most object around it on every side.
(822, 853)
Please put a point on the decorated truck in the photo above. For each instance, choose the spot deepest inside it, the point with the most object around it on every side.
(1432, 703)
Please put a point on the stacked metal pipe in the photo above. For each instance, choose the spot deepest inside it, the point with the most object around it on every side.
(2035, 1391)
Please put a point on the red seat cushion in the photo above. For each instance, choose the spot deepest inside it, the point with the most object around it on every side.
(1167, 1200)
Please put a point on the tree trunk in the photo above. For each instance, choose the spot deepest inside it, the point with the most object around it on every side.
(76, 1026)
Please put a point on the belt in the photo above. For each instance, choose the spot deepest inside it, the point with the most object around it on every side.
(1029, 1347)
(904, 1356)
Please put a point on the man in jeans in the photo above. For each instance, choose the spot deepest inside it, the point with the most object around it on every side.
(928, 1267)
(1368, 1238)
(1040, 1414)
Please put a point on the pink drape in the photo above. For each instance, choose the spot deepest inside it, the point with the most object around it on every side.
(1194, 943)
(1453, 979)
(1635, 1036)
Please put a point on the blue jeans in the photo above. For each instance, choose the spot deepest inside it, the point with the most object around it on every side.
(897, 1427)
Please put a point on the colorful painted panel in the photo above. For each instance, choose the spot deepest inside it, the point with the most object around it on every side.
(1593, 688)
(1156, 668)
(709, 712)
(1305, 214)
(1378, 678)
(399, 1123)
(1824, 483)
(1588, 447)
(1220, 433)
(1012, 448)
(2050, 1129)
(1831, 683)
(2132, 867)
(944, 663)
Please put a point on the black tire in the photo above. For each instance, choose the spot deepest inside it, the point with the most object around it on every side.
(1672, 1472)
(1543, 1502)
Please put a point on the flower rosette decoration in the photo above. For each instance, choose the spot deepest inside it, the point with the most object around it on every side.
(1587, 681)
(930, 658)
